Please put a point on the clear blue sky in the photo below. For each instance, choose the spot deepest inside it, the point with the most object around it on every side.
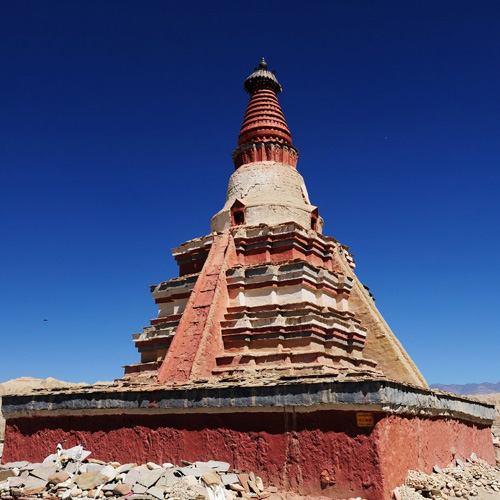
(117, 123)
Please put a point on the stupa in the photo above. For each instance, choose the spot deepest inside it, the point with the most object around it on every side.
(267, 353)
(266, 294)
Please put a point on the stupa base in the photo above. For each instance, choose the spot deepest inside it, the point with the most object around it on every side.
(325, 438)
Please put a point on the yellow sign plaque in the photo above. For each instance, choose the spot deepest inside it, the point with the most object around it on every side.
(365, 419)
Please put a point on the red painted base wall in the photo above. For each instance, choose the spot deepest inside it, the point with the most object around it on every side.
(418, 443)
(289, 450)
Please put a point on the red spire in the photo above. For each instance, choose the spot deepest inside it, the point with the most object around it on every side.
(264, 135)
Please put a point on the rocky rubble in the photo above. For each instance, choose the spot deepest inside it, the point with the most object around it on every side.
(473, 478)
(71, 474)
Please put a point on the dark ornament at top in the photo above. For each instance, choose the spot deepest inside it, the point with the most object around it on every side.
(262, 78)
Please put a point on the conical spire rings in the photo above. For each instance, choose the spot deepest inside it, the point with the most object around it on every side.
(264, 135)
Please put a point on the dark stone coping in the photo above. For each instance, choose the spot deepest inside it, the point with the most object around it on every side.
(365, 395)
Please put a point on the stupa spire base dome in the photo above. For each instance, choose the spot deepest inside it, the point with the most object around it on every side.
(266, 193)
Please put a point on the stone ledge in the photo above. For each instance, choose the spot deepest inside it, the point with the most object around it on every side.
(366, 395)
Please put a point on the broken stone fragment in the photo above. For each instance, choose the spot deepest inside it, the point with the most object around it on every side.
(213, 464)
(5, 474)
(33, 483)
(168, 479)
(33, 486)
(253, 487)
(89, 480)
(188, 481)
(156, 492)
(152, 465)
(211, 478)
(19, 465)
(125, 468)
(72, 468)
(244, 481)
(229, 479)
(92, 460)
(93, 467)
(122, 489)
(32, 466)
(58, 477)
(16, 481)
(150, 478)
(259, 483)
(191, 471)
(132, 476)
(109, 472)
(33, 491)
(43, 472)
(139, 488)
(236, 487)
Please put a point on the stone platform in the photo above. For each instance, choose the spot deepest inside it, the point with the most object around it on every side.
(314, 437)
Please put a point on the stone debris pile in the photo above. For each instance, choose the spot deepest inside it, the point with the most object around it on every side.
(71, 474)
(473, 478)
(496, 444)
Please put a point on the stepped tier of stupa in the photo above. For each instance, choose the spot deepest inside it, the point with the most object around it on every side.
(267, 353)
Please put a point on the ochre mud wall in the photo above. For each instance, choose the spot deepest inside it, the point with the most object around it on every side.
(289, 450)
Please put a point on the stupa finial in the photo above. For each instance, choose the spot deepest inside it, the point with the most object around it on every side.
(264, 135)
(262, 78)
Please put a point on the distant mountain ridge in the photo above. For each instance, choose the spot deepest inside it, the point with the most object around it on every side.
(469, 389)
